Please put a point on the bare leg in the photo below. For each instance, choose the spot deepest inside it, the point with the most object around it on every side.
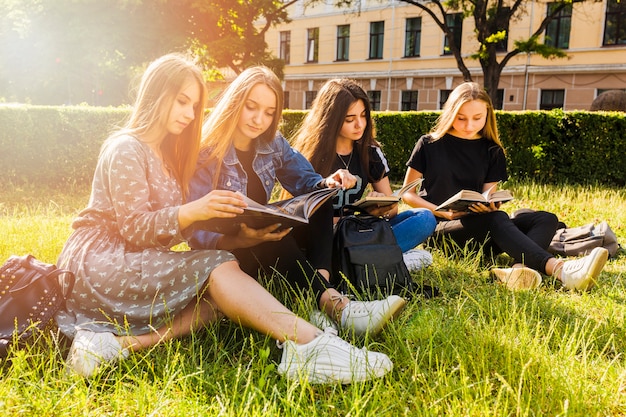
(192, 317)
(242, 299)
(239, 297)
(553, 267)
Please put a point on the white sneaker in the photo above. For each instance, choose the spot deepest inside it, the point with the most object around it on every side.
(416, 259)
(328, 359)
(582, 274)
(321, 320)
(90, 350)
(370, 317)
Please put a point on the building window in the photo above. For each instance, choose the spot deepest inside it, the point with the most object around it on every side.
(374, 96)
(309, 96)
(409, 100)
(558, 30)
(443, 97)
(604, 90)
(615, 24)
(285, 46)
(412, 37)
(552, 99)
(343, 42)
(286, 99)
(455, 23)
(377, 38)
(312, 41)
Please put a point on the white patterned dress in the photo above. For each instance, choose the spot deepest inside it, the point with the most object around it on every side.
(128, 280)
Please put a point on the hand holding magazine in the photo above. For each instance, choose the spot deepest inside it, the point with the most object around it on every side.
(289, 213)
(387, 200)
(462, 200)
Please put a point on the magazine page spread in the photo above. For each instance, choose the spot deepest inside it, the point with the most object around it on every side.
(288, 213)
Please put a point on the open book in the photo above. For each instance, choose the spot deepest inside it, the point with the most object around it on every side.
(465, 198)
(289, 213)
(386, 200)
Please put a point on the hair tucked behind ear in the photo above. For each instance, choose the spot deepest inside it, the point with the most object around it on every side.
(217, 133)
(317, 136)
(160, 84)
(464, 93)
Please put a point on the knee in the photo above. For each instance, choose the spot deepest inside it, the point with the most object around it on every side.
(430, 222)
(496, 218)
(425, 215)
(547, 220)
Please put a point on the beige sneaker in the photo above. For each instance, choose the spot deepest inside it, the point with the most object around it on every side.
(522, 278)
(582, 274)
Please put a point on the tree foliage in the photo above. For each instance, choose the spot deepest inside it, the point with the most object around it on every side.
(75, 51)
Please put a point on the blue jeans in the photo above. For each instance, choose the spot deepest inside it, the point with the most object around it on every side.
(413, 226)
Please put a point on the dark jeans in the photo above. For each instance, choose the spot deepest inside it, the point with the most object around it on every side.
(297, 256)
(525, 237)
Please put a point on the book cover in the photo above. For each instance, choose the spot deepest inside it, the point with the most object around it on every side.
(292, 212)
(386, 200)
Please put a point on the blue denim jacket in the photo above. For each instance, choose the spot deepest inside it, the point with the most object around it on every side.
(274, 161)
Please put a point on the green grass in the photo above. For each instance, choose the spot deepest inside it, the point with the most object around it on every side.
(477, 350)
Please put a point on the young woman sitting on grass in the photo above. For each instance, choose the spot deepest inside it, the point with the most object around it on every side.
(463, 152)
(242, 151)
(338, 133)
(132, 290)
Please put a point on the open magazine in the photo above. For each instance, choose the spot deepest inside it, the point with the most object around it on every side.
(465, 198)
(289, 213)
(387, 200)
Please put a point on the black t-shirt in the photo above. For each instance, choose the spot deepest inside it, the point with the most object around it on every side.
(378, 166)
(255, 190)
(452, 164)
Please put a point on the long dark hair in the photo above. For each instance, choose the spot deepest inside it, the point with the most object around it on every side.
(316, 138)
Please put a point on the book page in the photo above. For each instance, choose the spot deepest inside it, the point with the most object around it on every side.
(413, 184)
(305, 205)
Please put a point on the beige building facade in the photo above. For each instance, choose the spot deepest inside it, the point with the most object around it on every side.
(398, 54)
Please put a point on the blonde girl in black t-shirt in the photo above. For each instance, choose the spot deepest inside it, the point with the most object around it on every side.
(464, 152)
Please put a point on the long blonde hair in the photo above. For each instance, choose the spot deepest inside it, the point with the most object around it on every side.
(464, 93)
(159, 86)
(218, 129)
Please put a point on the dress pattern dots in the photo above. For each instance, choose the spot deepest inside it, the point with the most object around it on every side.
(128, 278)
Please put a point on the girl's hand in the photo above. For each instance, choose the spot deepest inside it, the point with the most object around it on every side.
(217, 203)
(387, 211)
(341, 178)
(484, 208)
(451, 215)
(249, 237)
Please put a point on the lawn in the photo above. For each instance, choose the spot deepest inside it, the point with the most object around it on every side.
(476, 350)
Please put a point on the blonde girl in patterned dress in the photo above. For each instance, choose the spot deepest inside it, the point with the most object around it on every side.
(132, 290)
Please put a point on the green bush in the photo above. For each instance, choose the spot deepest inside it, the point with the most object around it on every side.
(58, 146)
(53, 146)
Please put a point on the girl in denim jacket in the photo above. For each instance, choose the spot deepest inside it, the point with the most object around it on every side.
(242, 151)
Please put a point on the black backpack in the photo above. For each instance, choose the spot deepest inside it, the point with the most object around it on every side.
(367, 260)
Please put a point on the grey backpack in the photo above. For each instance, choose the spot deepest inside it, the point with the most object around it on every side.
(577, 241)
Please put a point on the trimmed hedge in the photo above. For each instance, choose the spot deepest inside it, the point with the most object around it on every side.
(53, 147)
(58, 146)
